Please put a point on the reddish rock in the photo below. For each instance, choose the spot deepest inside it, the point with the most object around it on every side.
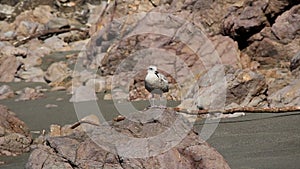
(8, 67)
(276, 45)
(241, 22)
(81, 151)
(14, 134)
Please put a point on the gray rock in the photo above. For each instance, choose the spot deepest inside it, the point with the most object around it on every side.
(287, 96)
(56, 44)
(29, 94)
(6, 10)
(32, 74)
(6, 92)
(57, 23)
(57, 72)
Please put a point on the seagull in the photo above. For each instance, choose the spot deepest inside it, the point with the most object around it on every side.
(155, 82)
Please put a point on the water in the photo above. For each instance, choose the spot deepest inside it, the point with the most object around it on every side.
(38, 117)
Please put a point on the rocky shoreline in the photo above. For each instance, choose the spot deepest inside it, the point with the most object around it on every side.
(221, 54)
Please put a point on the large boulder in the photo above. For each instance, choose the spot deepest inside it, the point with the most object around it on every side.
(99, 147)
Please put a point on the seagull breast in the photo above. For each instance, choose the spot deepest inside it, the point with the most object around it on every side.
(155, 81)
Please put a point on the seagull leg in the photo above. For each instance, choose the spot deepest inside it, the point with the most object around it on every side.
(160, 102)
(151, 100)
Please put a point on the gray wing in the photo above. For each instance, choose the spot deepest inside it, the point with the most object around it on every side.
(163, 83)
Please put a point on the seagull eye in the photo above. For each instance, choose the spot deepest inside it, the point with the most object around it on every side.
(150, 68)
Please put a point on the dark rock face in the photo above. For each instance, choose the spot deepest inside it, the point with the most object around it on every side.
(277, 44)
(244, 21)
(14, 134)
(79, 149)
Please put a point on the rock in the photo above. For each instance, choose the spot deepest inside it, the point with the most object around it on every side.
(30, 61)
(36, 50)
(8, 67)
(287, 26)
(57, 72)
(228, 50)
(107, 96)
(57, 23)
(32, 74)
(56, 44)
(210, 92)
(29, 94)
(6, 11)
(32, 21)
(276, 45)
(243, 22)
(25, 28)
(276, 78)
(79, 45)
(176, 59)
(55, 130)
(16, 138)
(48, 106)
(81, 151)
(287, 96)
(223, 85)
(295, 65)
(5, 31)
(246, 88)
(6, 92)
(47, 155)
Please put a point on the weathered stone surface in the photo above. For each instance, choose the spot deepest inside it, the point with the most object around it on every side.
(240, 22)
(79, 150)
(246, 88)
(31, 74)
(14, 137)
(287, 96)
(6, 92)
(184, 61)
(56, 44)
(276, 45)
(8, 67)
(228, 50)
(223, 86)
(295, 65)
(30, 94)
(57, 72)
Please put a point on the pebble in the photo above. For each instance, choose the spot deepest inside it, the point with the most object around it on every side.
(48, 106)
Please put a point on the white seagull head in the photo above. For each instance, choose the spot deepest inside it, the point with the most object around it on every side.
(152, 69)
